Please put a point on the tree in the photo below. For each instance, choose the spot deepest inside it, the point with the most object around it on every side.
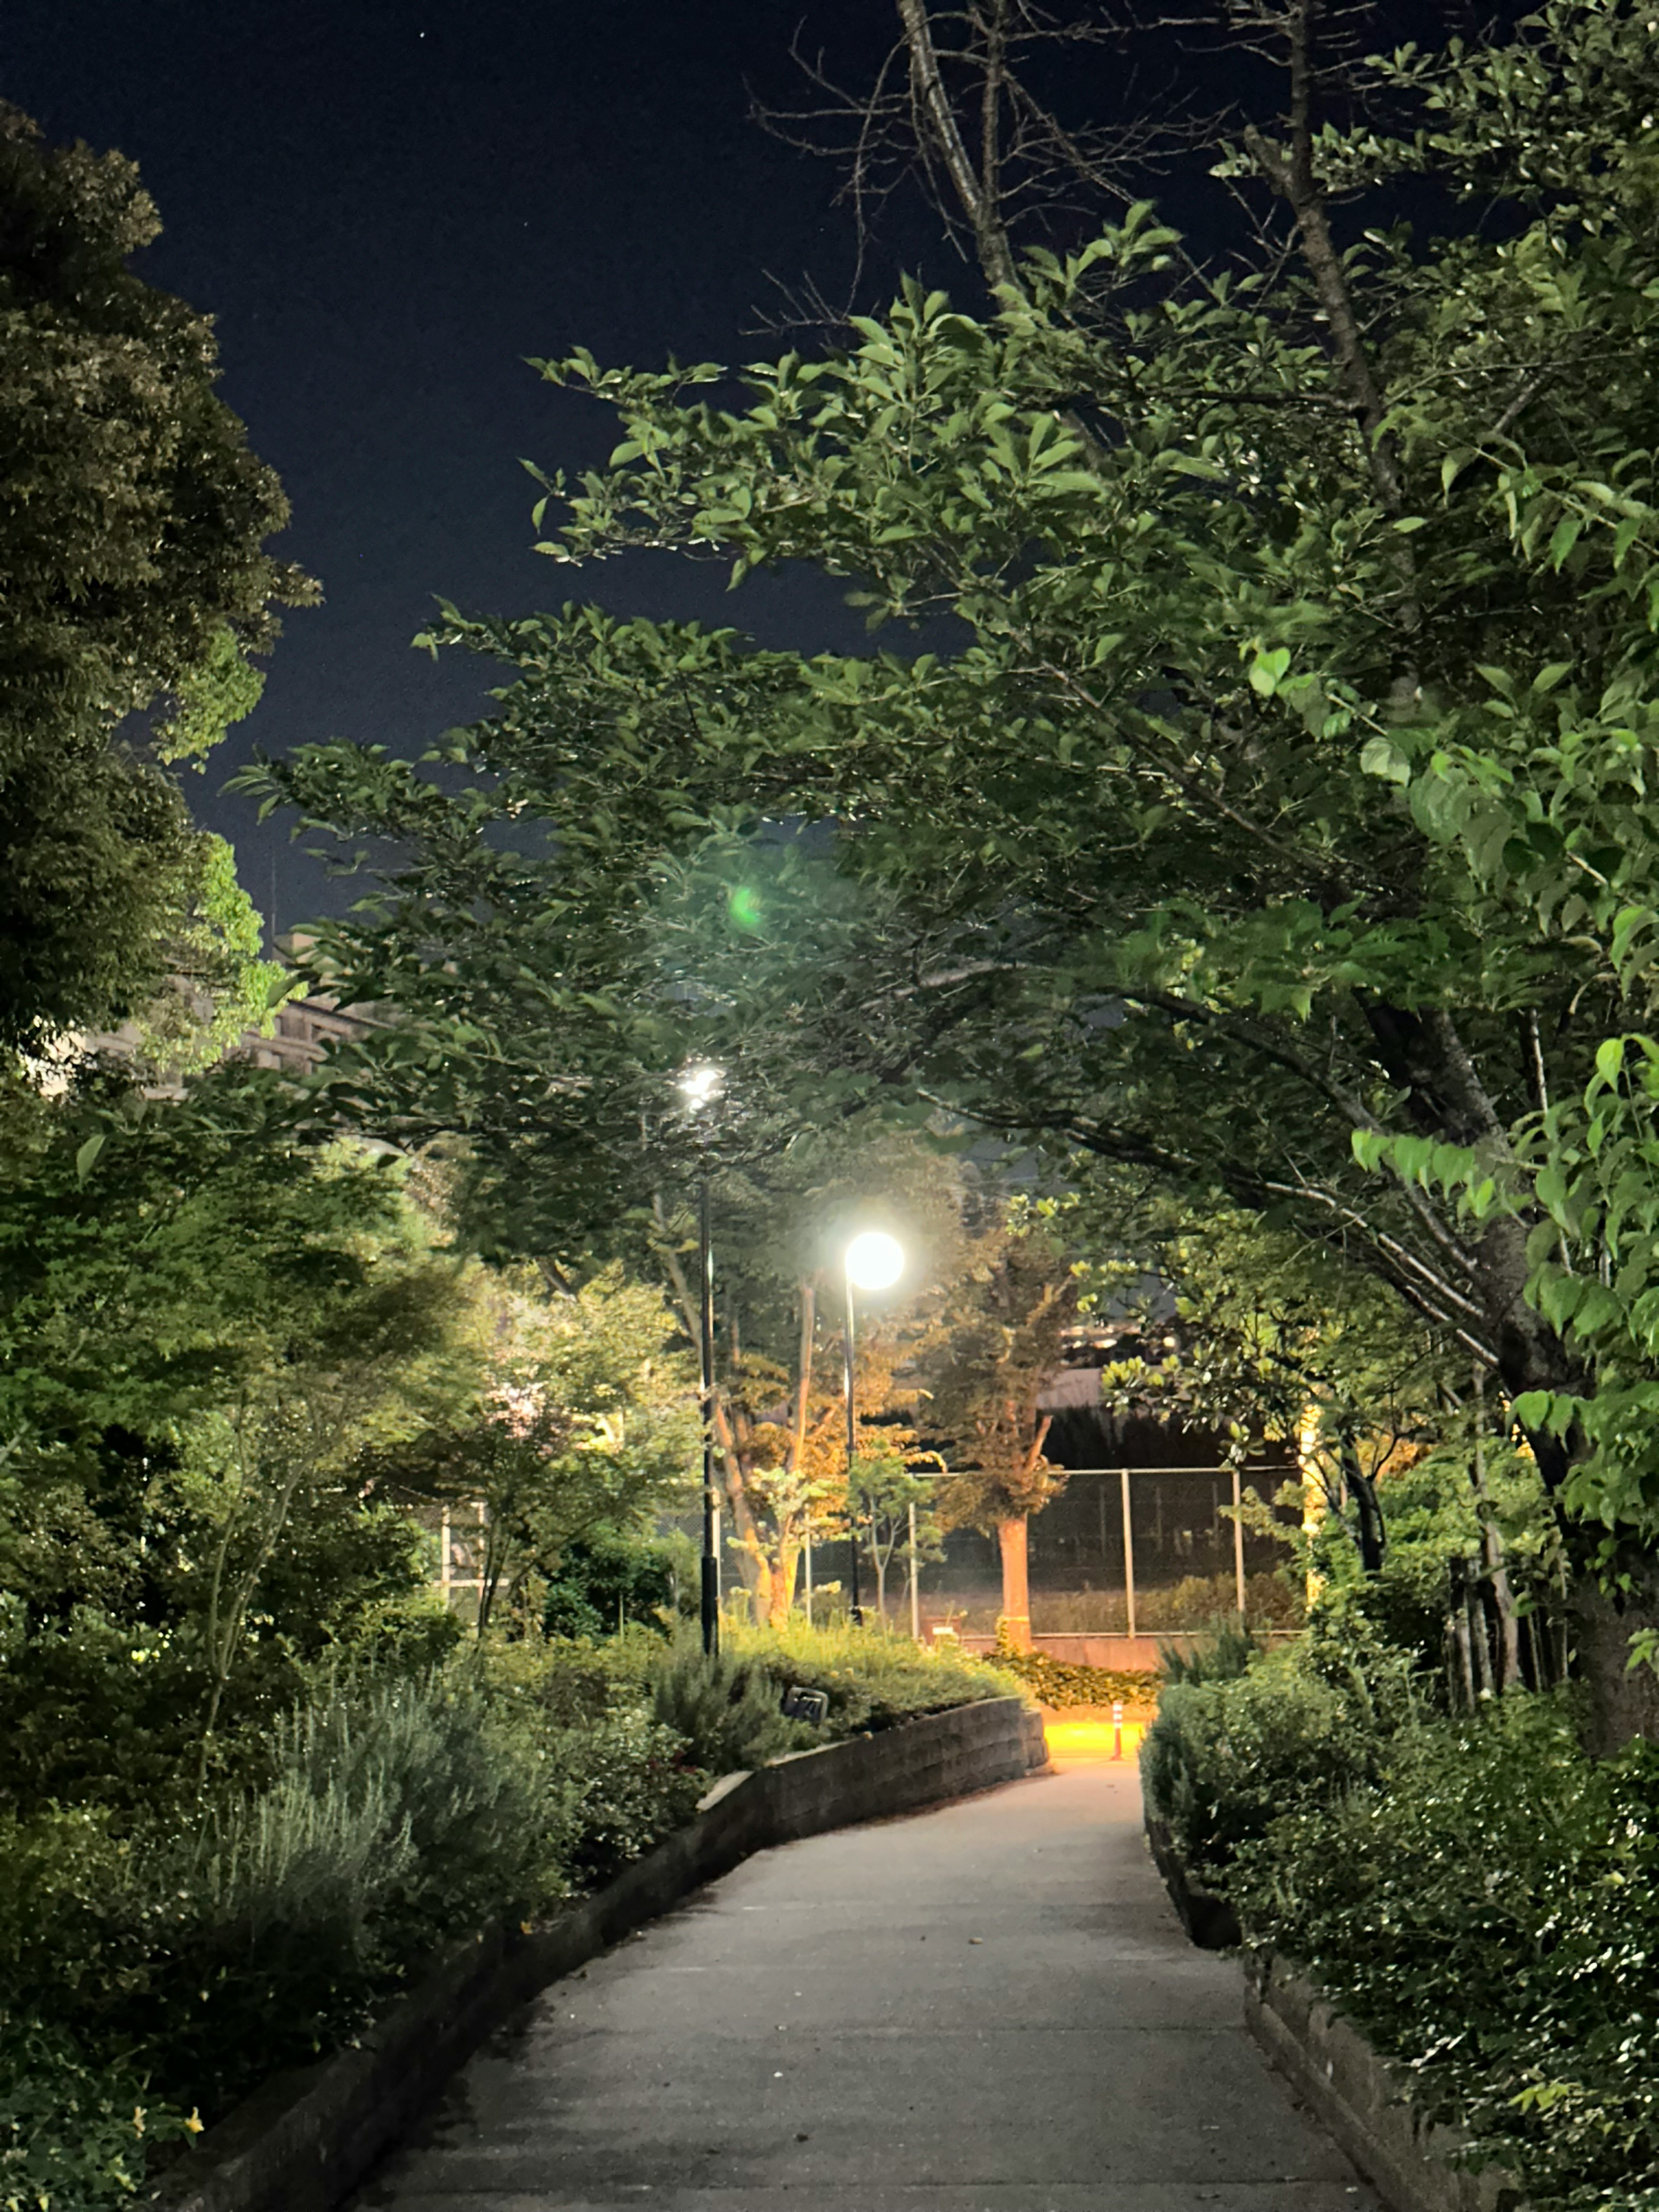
(579, 1420)
(778, 1412)
(1003, 1341)
(1276, 828)
(210, 1309)
(889, 1484)
(1275, 1341)
(132, 534)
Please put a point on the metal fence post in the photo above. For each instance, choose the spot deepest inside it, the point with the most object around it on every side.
(1128, 1553)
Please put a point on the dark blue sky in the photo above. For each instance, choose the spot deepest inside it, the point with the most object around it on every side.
(387, 206)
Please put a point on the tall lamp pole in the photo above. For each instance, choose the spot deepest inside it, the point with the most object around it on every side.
(875, 1261)
(711, 1557)
(700, 1084)
(852, 1448)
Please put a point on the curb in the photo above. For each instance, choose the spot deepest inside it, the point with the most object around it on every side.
(304, 2140)
(1210, 1921)
(1364, 2101)
(1356, 2095)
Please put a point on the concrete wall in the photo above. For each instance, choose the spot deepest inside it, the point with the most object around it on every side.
(305, 2139)
(1364, 2103)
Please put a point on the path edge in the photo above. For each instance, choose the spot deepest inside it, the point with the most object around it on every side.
(306, 2139)
(1365, 2102)
(1358, 2097)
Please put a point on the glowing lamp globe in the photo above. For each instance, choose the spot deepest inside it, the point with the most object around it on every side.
(875, 1261)
(701, 1084)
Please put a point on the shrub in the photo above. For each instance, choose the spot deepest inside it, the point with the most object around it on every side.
(620, 1784)
(393, 1822)
(1488, 1907)
(73, 2135)
(726, 1706)
(1060, 1682)
(1221, 1654)
(1225, 1757)
(608, 1577)
(872, 1679)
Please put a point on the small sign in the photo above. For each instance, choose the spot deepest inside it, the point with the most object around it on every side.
(810, 1705)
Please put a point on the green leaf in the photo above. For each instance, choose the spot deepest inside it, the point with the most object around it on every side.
(1381, 756)
(1610, 1058)
(86, 1158)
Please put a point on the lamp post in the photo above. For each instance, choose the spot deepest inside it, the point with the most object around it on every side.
(875, 1261)
(700, 1084)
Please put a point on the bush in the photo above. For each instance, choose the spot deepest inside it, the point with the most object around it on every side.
(611, 1779)
(73, 2137)
(1222, 1654)
(398, 1817)
(610, 1576)
(726, 1706)
(1060, 1682)
(392, 1823)
(872, 1679)
(1225, 1757)
(622, 1785)
(1488, 1907)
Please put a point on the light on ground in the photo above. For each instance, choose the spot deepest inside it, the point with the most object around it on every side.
(875, 1261)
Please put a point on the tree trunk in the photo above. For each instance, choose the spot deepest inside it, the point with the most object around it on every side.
(1623, 1699)
(1012, 1540)
(1492, 1556)
(781, 1595)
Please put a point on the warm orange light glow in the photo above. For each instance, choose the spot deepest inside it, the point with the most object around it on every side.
(1092, 1738)
(1313, 1494)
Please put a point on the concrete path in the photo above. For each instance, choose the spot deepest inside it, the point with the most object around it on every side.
(989, 2008)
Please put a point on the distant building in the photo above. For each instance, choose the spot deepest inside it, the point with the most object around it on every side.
(305, 1030)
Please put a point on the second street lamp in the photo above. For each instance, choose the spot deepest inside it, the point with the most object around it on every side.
(699, 1085)
(875, 1261)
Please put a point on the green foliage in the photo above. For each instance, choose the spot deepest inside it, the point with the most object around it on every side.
(872, 1679)
(132, 542)
(1062, 1682)
(1484, 1903)
(1282, 793)
(726, 1707)
(73, 2135)
(613, 1779)
(1229, 1753)
(395, 1815)
(606, 1578)
(1223, 1655)
(581, 1421)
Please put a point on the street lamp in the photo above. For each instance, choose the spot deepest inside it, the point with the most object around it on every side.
(875, 1261)
(699, 1085)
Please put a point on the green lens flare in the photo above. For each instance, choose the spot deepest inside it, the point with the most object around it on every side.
(744, 907)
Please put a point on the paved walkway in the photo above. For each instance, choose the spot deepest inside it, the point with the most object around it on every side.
(989, 2008)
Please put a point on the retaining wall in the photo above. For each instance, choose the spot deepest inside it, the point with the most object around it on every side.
(307, 2139)
(1365, 2102)
(1359, 2098)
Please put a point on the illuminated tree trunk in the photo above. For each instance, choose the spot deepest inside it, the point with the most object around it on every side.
(781, 1595)
(1012, 1538)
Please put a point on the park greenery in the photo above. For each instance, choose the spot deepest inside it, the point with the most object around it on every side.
(137, 584)
(1267, 821)
(1223, 898)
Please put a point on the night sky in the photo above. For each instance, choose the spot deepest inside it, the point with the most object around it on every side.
(386, 207)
